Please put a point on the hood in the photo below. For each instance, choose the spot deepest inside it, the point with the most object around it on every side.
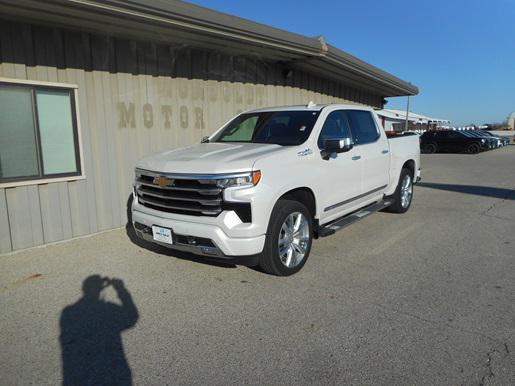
(209, 158)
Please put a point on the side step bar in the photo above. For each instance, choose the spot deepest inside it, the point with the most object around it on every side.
(342, 222)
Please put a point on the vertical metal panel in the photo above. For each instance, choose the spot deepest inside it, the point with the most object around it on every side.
(10, 36)
(79, 213)
(108, 83)
(55, 211)
(82, 193)
(24, 216)
(99, 149)
(5, 231)
(123, 148)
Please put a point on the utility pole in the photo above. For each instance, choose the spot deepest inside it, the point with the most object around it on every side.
(407, 113)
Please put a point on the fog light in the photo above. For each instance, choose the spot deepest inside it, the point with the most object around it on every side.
(208, 250)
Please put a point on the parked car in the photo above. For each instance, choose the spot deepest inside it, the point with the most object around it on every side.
(502, 140)
(259, 189)
(451, 141)
(491, 142)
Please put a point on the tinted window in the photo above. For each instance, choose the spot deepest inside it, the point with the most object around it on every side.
(363, 127)
(278, 127)
(335, 126)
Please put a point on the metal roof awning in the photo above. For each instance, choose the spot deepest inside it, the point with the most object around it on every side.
(412, 117)
(180, 23)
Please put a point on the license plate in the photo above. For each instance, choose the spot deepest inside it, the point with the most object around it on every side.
(161, 234)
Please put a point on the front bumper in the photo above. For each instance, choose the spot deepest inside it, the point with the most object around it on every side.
(191, 236)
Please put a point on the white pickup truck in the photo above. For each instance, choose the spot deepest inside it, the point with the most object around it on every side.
(262, 187)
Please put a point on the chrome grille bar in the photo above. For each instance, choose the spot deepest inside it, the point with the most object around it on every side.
(216, 201)
(190, 196)
(205, 191)
(207, 212)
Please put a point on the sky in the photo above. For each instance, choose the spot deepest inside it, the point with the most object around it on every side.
(461, 54)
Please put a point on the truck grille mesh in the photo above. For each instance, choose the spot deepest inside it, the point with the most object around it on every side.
(188, 196)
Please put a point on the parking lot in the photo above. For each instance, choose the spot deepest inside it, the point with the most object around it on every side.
(427, 297)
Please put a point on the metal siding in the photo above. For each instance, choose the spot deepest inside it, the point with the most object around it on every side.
(113, 75)
(5, 232)
(24, 216)
(114, 169)
(55, 211)
(82, 193)
(99, 149)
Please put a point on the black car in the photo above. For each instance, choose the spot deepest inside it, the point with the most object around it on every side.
(451, 141)
(490, 142)
(502, 139)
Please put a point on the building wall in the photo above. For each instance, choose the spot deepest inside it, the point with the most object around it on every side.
(511, 121)
(134, 99)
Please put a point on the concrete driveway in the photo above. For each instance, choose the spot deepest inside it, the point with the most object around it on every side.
(427, 297)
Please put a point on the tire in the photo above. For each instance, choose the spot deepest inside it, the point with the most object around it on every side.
(399, 196)
(473, 148)
(430, 148)
(284, 212)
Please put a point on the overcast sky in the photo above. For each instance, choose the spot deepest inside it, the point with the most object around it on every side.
(461, 54)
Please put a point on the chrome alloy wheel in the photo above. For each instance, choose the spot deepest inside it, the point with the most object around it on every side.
(293, 239)
(406, 191)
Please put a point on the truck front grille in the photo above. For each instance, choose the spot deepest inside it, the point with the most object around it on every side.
(182, 194)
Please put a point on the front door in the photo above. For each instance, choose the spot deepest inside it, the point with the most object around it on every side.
(340, 175)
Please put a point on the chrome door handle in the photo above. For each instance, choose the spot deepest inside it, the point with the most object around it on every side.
(385, 152)
(356, 157)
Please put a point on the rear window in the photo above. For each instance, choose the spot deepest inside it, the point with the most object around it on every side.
(363, 127)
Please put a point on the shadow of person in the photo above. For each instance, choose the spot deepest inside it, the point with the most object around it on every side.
(91, 342)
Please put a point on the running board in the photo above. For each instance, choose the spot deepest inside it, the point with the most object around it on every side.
(342, 222)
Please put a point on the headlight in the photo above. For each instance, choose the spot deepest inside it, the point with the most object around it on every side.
(482, 141)
(245, 179)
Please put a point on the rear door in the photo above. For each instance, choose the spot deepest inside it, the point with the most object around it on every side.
(340, 175)
(371, 146)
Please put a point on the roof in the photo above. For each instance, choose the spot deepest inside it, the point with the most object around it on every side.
(412, 117)
(177, 22)
(312, 107)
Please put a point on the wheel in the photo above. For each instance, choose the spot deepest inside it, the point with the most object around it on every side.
(430, 148)
(288, 239)
(403, 194)
(473, 148)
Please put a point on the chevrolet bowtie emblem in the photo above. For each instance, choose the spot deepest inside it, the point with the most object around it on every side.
(163, 181)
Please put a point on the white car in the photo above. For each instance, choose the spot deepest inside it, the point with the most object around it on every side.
(262, 187)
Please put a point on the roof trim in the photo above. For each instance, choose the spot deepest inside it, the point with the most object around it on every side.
(205, 25)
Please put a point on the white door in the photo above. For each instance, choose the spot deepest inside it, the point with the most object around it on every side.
(340, 175)
(371, 146)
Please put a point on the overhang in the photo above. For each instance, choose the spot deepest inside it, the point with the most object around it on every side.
(399, 115)
(180, 23)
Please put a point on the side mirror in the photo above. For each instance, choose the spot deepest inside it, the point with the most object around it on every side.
(336, 145)
(204, 139)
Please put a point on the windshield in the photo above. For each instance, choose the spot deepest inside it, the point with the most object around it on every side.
(286, 128)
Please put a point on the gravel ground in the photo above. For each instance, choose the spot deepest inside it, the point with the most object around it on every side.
(427, 297)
